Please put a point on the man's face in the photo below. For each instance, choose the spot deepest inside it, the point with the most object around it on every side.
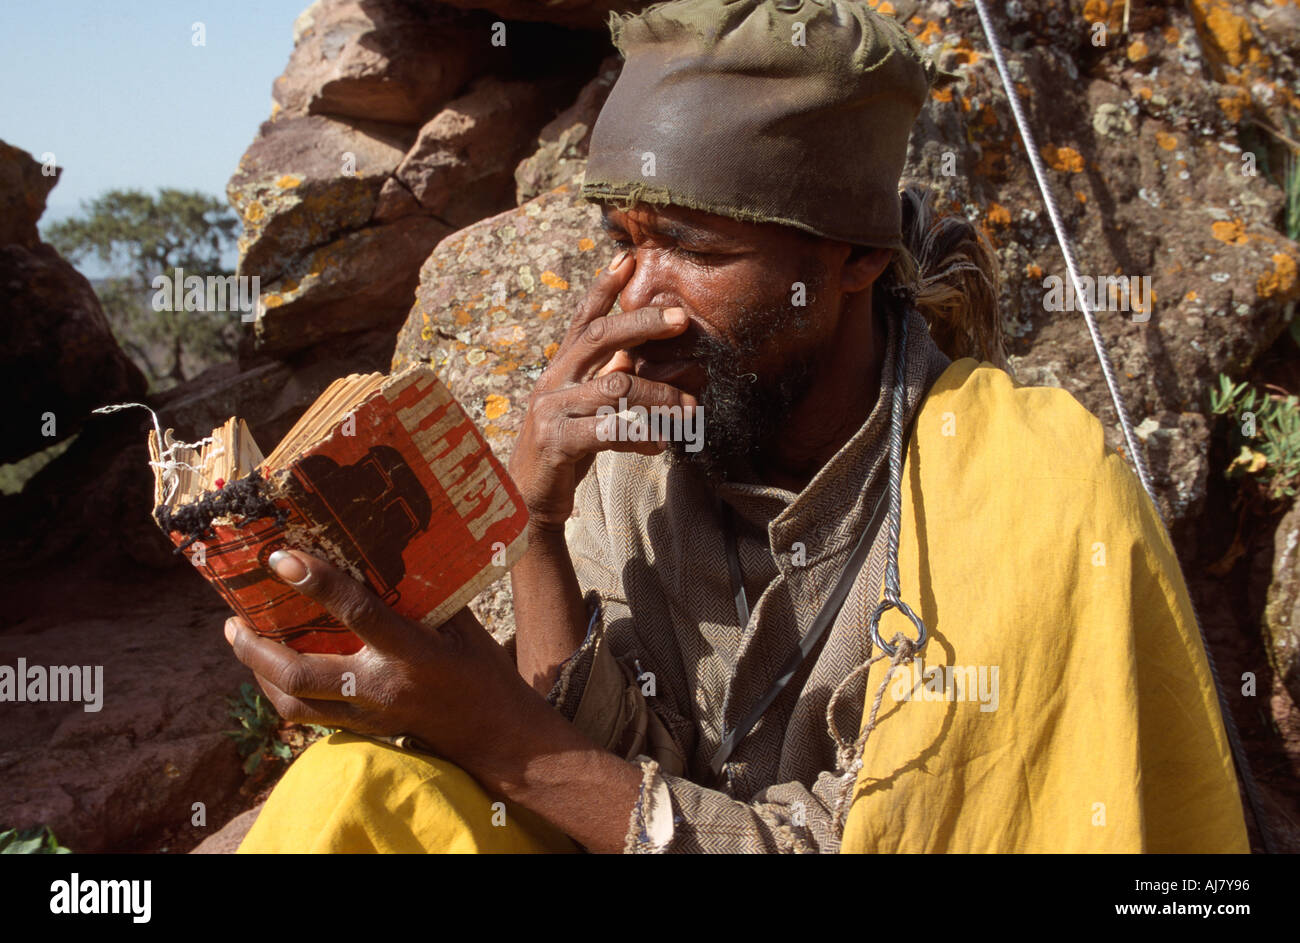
(764, 302)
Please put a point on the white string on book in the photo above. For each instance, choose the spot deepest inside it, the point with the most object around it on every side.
(166, 446)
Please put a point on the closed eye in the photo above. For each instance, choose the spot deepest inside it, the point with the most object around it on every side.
(621, 241)
(692, 254)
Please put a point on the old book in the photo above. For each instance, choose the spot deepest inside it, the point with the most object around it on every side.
(386, 478)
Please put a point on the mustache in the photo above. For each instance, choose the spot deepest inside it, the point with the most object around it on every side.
(691, 344)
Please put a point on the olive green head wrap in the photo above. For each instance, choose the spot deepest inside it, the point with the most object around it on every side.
(794, 112)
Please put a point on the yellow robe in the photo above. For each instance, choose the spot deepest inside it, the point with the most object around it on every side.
(1028, 547)
(1040, 569)
(349, 794)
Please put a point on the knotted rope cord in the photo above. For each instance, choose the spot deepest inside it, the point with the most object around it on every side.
(903, 649)
(1134, 452)
(848, 756)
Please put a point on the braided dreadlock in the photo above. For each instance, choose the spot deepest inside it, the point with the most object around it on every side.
(948, 272)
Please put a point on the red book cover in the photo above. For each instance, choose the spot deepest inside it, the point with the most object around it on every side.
(412, 502)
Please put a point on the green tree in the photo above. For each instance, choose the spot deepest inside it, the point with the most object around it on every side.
(139, 237)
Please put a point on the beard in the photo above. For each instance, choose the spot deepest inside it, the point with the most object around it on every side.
(743, 412)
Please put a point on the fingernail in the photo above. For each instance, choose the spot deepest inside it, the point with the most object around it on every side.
(618, 260)
(288, 567)
(230, 631)
(675, 316)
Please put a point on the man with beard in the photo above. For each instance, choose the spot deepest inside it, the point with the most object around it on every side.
(896, 602)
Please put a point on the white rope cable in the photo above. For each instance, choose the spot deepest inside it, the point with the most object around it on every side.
(1134, 450)
(1135, 454)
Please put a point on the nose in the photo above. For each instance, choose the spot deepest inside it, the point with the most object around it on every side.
(651, 283)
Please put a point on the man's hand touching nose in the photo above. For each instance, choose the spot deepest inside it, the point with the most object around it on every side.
(562, 432)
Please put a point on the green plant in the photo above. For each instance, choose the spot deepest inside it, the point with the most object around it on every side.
(37, 840)
(1268, 434)
(259, 725)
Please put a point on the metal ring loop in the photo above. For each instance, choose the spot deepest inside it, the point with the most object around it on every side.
(922, 636)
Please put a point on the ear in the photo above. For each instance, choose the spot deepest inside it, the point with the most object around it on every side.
(863, 266)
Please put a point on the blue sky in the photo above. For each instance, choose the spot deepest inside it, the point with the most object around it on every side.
(119, 93)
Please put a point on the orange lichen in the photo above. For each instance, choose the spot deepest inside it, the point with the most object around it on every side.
(1234, 105)
(1233, 233)
(998, 215)
(1226, 34)
(550, 350)
(1190, 296)
(1170, 34)
(1280, 281)
(289, 181)
(1081, 196)
(1033, 271)
(585, 243)
(931, 33)
(964, 53)
(942, 94)
(1063, 158)
(496, 406)
(1166, 141)
(1145, 93)
(462, 316)
(551, 280)
(1103, 11)
(1137, 51)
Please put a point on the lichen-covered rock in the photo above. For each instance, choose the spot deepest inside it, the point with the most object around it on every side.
(1254, 50)
(58, 357)
(562, 152)
(363, 279)
(494, 301)
(492, 306)
(1282, 609)
(1146, 163)
(305, 181)
(387, 134)
(380, 60)
(461, 167)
